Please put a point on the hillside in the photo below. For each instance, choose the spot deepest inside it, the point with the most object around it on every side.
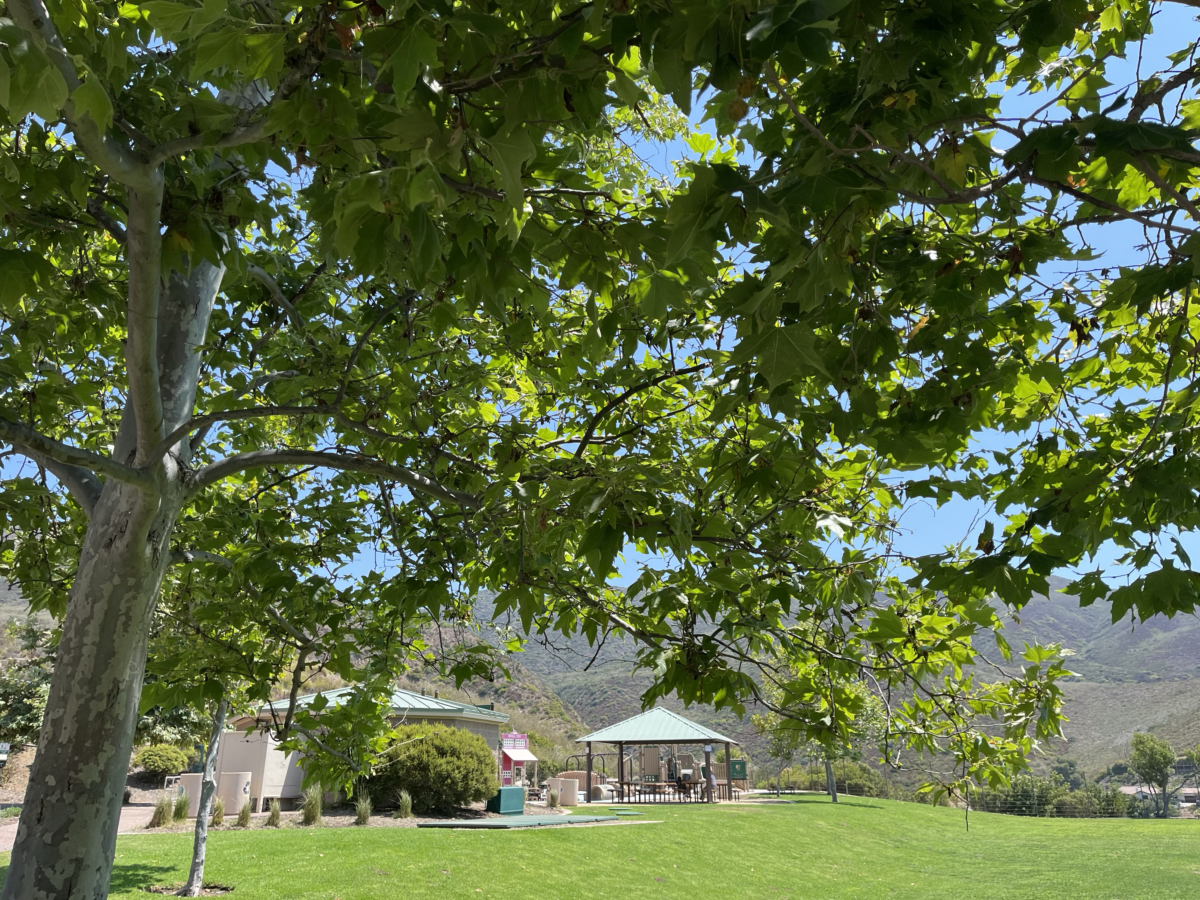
(1103, 651)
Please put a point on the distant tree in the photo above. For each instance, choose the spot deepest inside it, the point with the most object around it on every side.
(1153, 761)
(25, 683)
(1068, 770)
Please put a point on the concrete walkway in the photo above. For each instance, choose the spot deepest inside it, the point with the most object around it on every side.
(133, 818)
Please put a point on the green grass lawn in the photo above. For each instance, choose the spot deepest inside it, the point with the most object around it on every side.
(807, 849)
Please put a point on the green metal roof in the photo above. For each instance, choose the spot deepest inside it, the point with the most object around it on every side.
(410, 703)
(656, 726)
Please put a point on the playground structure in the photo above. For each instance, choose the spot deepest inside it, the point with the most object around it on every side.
(651, 766)
(515, 761)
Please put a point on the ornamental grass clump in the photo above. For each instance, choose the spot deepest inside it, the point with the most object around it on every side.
(310, 810)
(164, 813)
(182, 802)
(273, 813)
(552, 799)
(218, 813)
(404, 805)
(243, 818)
(362, 809)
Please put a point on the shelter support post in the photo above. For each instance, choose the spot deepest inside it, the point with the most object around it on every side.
(621, 771)
(589, 772)
(708, 772)
(729, 769)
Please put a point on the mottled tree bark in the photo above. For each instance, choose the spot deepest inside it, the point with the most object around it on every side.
(67, 834)
(208, 787)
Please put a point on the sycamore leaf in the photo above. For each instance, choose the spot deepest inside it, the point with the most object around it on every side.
(170, 20)
(91, 100)
(5, 79)
(512, 153)
(781, 353)
(416, 51)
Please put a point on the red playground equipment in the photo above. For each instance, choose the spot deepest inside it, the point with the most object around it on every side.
(515, 759)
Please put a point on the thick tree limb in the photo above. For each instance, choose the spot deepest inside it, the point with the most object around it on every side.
(143, 254)
(35, 444)
(81, 483)
(113, 158)
(179, 557)
(345, 462)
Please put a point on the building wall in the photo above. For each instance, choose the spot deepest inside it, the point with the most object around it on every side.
(276, 774)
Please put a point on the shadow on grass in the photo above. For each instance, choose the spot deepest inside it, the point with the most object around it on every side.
(125, 878)
(134, 876)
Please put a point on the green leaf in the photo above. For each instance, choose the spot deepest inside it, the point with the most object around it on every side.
(416, 51)
(5, 79)
(663, 294)
(217, 49)
(169, 19)
(781, 353)
(512, 152)
(92, 100)
(600, 545)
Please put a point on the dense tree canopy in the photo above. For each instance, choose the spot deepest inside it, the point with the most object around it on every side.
(393, 277)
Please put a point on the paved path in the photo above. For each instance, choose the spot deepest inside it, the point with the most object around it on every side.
(133, 818)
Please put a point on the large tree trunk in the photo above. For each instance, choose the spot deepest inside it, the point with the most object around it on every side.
(208, 787)
(67, 834)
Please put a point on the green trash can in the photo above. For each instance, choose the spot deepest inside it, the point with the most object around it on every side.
(509, 801)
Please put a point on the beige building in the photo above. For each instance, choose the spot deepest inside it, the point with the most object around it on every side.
(275, 774)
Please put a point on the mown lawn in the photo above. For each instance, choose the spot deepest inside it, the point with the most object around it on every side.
(805, 849)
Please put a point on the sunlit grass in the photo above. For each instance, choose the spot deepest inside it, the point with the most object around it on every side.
(807, 849)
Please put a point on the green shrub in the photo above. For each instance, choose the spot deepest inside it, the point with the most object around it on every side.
(552, 798)
(243, 819)
(161, 759)
(314, 803)
(273, 813)
(403, 805)
(182, 802)
(362, 809)
(441, 768)
(10, 812)
(218, 813)
(164, 813)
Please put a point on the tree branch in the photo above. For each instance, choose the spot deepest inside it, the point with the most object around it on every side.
(97, 211)
(614, 403)
(81, 483)
(314, 52)
(113, 158)
(25, 439)
(143, 255)
(179, 557)
(233, 415)
(261, 275)
(253, 386)
(346, 462)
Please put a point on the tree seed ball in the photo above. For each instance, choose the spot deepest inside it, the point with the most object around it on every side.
(737, 110)
(746, 86)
